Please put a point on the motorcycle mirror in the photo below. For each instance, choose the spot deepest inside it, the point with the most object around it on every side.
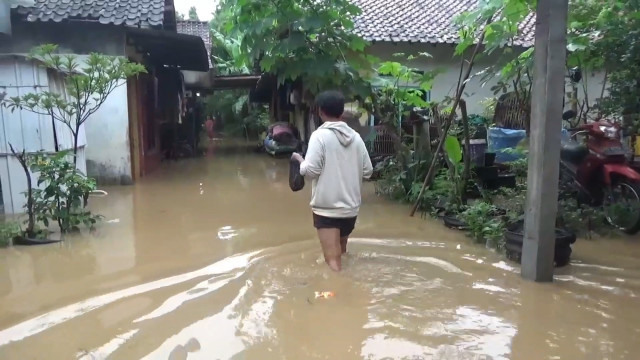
(568, 115)
(575, 74)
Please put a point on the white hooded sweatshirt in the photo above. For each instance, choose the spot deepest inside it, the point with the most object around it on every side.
(337, 161)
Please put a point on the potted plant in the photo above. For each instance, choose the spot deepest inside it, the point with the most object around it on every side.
(58, 197)
(485, 224)
(514, 203)
(31, 235)
(459, 183)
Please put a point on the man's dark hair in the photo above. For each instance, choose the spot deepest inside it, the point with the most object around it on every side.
(331, 103)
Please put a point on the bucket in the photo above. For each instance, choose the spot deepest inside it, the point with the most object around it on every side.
(477, 149)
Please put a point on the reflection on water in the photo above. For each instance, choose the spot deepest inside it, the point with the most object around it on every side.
(216, 259)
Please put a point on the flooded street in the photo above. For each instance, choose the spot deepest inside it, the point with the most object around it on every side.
(216, 258)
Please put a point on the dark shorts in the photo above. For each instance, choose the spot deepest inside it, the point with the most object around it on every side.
(346, 225)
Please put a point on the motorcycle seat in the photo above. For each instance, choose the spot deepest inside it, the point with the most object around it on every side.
(573, 152)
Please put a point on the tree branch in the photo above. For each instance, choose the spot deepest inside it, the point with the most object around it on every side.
(459, 93)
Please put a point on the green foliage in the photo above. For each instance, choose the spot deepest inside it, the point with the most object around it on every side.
(61, 193)
(440, 195)
(453, 149)
(489, 105)
(8, 232)
(602, 36)
(227, 55)
(239, 117)
(88, 84)
(580, 218)
(607, 36)
(499, 19)
(397, 89)
(300, 39)
(256, 122)
(401, 176)
(483, 224)
(511, 200)
(193, 14)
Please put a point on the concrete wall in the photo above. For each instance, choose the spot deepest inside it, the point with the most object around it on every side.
(72, 38)
(445, 84)
(108, 150)
(107, 131)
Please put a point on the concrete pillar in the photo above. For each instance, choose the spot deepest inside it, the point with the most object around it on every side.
(5, 18)
(544, 149)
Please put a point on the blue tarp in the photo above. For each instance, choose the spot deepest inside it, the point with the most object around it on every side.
(502, 139)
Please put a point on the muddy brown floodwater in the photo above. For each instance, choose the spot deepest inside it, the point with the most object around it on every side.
(216, 258)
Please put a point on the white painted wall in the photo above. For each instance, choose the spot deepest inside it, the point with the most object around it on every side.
(445, 85)
(26, 130)
(107, 130)
(108, 151)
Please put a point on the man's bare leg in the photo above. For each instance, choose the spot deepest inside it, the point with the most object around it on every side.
(343, 243)
(330, 242)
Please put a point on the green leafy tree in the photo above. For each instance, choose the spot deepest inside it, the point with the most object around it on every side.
(193, 14)
(606, 36)
(61, 192)
(227, 55)
(300, 39)
(602, 36)
(398, 88)
(88, 84)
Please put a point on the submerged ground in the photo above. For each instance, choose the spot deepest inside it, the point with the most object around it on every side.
(215, 258)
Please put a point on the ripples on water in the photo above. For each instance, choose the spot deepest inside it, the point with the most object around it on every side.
(396, 299)
(413, 291)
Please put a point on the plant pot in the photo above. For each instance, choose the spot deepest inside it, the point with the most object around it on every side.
(477, 149)
(489, 158)
(452, 222)
(514, 236)
(487, 173)
(561, 256)
(503, 180)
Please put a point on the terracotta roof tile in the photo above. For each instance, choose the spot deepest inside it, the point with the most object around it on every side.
(421, 21)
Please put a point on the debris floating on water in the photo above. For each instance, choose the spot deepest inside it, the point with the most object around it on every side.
(324, 294)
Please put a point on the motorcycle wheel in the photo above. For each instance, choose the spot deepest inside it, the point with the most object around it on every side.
(622, 206)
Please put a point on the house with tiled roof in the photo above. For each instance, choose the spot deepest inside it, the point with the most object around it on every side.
(123, 140)
(415, 26)
(197, 28)
(418, 26)
(198, 82)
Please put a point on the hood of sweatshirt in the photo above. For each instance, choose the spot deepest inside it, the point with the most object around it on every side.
(345, 134)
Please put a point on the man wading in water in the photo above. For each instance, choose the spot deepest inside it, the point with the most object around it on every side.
(337, 161)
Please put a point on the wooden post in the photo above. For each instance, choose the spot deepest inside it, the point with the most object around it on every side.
(544, 151)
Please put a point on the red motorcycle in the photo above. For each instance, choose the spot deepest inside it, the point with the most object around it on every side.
(601, 172)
